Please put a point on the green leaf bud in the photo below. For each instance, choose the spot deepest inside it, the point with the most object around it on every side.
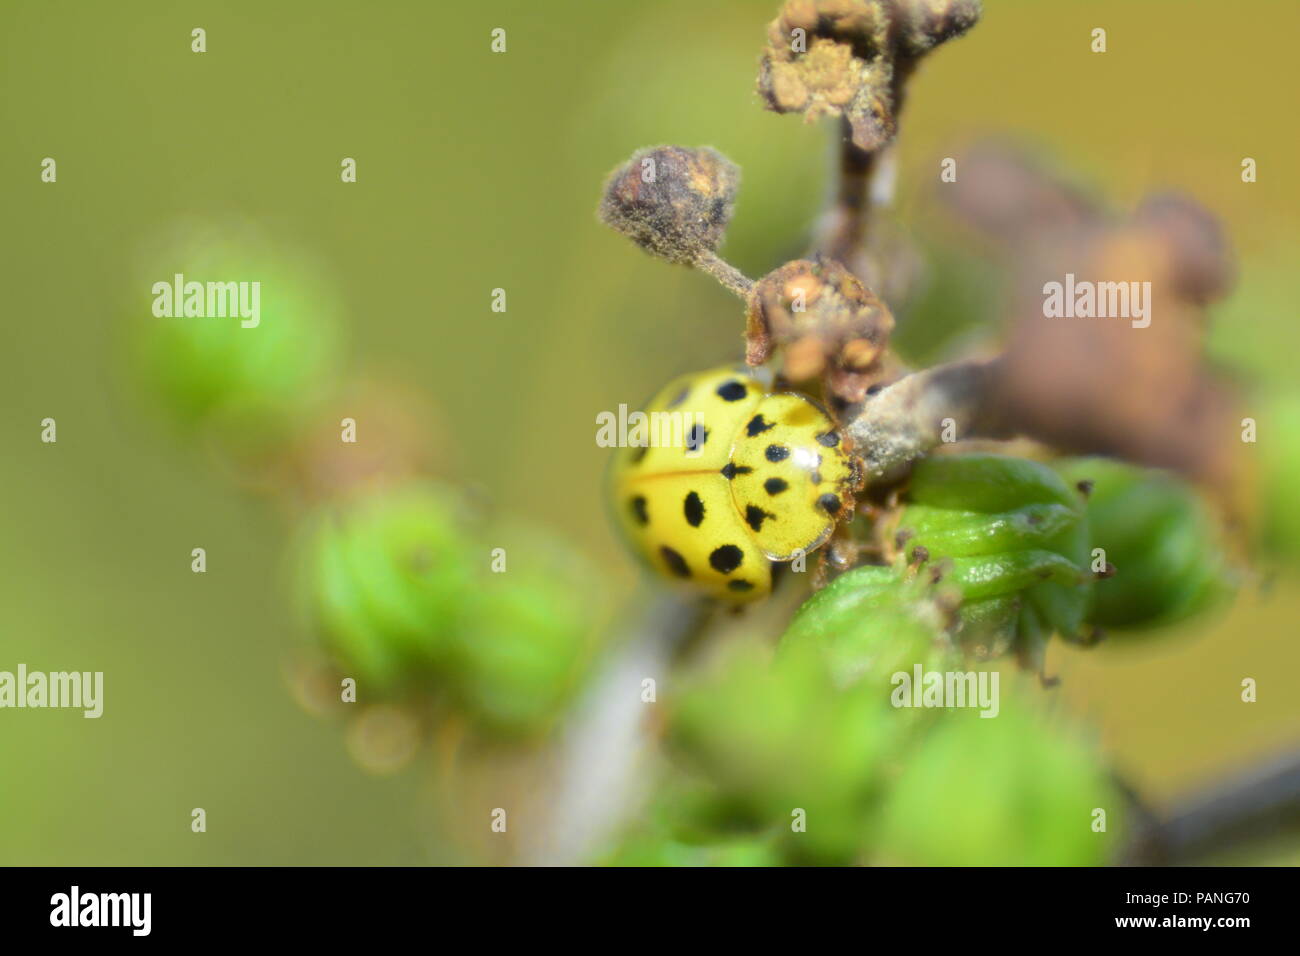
(1010, 791)
(1161, 538)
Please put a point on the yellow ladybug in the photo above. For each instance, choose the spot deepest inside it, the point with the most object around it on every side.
(747, 478)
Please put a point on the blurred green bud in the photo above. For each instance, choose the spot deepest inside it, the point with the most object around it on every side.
(692, 810)
(796, 742)
(787, 749)
(870, 623)
(262, 349)
(411, 597)
(1278, 441)
(527, 629)
(1010, 791)
(1011, 537)
(1161, 538)
(651, 849)
(386, 575)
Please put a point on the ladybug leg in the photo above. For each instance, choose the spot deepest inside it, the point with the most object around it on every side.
(841, 553)
(821, 570)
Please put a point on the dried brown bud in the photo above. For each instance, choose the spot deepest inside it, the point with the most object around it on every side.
(1201, 266)
(1134, 386)
(927, 23)
(847, 57)
(671, 201)
(1008, 194)
(827, 321)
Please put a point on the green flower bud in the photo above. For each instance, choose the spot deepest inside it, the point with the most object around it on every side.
(687, 810)
(781, 742)
(1011, 537)
(1278, 442)
(1161, 539)
(1010, 791)
(870, 623)
(526, 632)
(659, 850)
(986, 483)
(385, 577)
(410, 598)
(250, 378)
(808, 731)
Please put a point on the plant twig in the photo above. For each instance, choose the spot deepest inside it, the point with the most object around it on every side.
(902, 422)
(728, 275)
(844, 235)
(603, 751)
(1259, 804)
(978, 398)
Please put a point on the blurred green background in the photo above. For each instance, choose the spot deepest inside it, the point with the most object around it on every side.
(478, 171)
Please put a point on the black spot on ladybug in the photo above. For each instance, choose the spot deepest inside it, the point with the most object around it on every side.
(676, 563)
(726, 558)
(829, 439)
(757, 425)
(816, 477)
(755, 516)
(730, 470)
(829, 503)
(740, 585)
(638, 453)
(639, 510)
(732, 391)
(774, 486)
(693, 508)
(777, 453)
(681, 397)
(696, 437)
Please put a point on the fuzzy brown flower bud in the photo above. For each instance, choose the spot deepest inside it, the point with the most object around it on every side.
(827, 321)
(848, 57)
(671, 201)
(927, 23)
